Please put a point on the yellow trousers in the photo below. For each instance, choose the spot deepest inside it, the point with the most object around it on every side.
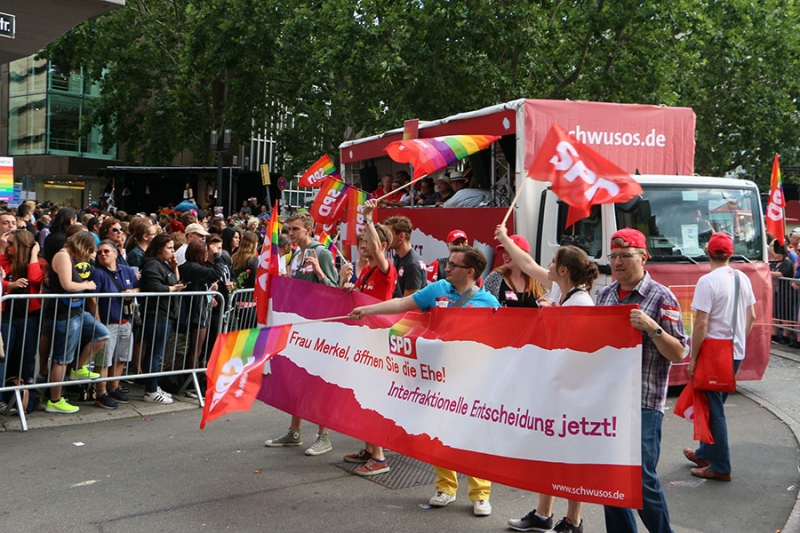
(447, 482)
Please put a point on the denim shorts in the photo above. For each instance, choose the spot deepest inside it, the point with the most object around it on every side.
(68, 333)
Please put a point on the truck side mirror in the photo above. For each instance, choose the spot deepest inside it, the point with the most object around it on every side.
(631, 205)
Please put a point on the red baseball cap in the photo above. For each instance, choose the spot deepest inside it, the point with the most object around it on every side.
(519, 240)
(455, 235)
(720, 244)
(631, 238)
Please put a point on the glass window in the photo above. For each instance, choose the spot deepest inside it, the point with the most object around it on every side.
(679, 221)
(27, 76)
(65, 122)
(586, 233)
(27, 124)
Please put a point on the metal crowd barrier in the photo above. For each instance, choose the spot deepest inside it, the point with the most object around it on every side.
(786, 304)
(29, 340)
(241, 311)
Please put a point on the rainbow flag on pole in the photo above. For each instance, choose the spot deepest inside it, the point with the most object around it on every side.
(267, 265)
(429, 155)
(322, 169)
(326, 241)
(6, 178)
(235, 368)
(777, 203)
(330, 202)
(355, 217)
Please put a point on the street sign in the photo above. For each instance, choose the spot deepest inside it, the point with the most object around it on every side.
(281, 183)
(8, 25)
(264, 175)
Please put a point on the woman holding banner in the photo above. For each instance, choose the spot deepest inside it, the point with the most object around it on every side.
(571, 274)
(377, 279)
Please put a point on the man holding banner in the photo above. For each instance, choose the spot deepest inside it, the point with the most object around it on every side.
(459, 290)
(312, 262)
(663, 340)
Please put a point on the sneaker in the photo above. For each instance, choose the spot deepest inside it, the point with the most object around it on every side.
(190, 394)
(119, 395)
(372, 468)
(531, 522)
(690, 455)
(707, 473)
(481, 508)
(106, 402)
(565, 526)
(83, 373)
(157, 397)
(442, 499)
(164, 393)
(62, 406)
(321, 445)
(290, 438)
(361, 457)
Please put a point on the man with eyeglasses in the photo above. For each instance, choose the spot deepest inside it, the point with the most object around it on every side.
(460, 289)
(658, 317)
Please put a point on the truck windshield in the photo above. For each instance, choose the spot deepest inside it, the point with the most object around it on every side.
(679, 221)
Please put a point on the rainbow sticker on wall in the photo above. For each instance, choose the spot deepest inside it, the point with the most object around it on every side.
(6, 179)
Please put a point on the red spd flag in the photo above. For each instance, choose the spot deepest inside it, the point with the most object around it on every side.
(693, 406)
(776, 205)
(322, 169)
(355, 215)
(330, 202)
(580, 176)
(267, 265)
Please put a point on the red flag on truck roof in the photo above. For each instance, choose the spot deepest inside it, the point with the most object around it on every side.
(580, 176)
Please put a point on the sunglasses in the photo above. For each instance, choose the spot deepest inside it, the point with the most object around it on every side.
(116, 230)
(104, 251)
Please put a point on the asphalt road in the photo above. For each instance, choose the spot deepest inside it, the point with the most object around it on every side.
(157, 472)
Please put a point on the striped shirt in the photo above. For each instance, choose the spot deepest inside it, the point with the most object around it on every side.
(660, 304)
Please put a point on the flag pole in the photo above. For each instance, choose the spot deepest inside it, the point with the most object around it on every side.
(409, 184)
(514, 202)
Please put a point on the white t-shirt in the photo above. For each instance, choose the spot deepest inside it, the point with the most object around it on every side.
(578, 298)
(714, 295)
(468, 198)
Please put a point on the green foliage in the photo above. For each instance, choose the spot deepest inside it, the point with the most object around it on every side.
(319, 73)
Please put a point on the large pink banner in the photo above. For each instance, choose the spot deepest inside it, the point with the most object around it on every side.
(512, 395)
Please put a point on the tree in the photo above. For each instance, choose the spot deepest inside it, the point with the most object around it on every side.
(318, 73)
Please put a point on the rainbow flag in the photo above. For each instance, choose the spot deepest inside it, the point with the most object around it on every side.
(267, 265)
(429, 155)
(330, 202)
(235, 368)
(355, 219)
(322, 169)
(6, 178)
(326, 241)
(776, 205)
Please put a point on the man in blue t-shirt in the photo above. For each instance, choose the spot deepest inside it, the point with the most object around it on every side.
(459, 290)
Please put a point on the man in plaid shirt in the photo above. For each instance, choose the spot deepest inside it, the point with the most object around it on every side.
(663, 340)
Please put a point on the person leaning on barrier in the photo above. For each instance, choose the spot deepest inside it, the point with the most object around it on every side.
(24, 272)
(117, 315)
(159, 274)
(197, 309)
(782, 301)
(73, 324)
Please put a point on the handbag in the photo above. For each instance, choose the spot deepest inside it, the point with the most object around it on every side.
(714, 369)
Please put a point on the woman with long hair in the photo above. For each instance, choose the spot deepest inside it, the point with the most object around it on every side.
(570, 275)
(159, 274)
(20, 324)
(231, 238)
(509, 284)
(143, 234)
(246, 258)
(70, 274)
(197, 309)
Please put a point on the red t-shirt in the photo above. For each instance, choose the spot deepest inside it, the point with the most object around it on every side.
(377, 284)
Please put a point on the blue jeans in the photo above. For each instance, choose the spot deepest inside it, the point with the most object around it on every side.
(156, 334)
(21, 339)
(654, 512)
(718, 454)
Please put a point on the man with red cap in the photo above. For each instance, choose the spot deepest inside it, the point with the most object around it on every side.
(714, 302)
(658, 317)
(435, 270)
